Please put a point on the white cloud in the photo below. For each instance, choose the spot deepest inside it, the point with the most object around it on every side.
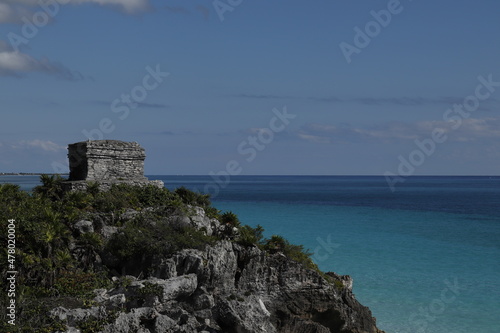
(12, 11)
(13, 14)
(5, 13)
(12, 62)
(129, 6)
(15, 63)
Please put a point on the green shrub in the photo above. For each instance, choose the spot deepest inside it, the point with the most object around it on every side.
(12, 194)
(150, 289)
(79, 283)
(276, 244)
(51, 187)
(94, 325)
(91, 240)
(140, 238)
(122, 282)
(32, 320)
(230, 218)
(250, 236)
(193, 198)
(151, 196)
(78, 199)
(338, 284)
(292, 251)
(93, 188)
(123, 196)
(212, 212)
(116, 199)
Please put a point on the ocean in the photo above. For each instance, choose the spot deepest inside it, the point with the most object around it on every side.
(425, 258)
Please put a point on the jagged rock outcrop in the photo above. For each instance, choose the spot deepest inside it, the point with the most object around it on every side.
(227, 287)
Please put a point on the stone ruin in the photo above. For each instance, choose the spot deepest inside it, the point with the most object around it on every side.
(106, 162)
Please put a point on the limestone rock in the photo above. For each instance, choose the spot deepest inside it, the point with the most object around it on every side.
(84, 226)
(228, 287)
(74, 316)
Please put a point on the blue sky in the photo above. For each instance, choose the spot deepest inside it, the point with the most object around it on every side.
(65, 66)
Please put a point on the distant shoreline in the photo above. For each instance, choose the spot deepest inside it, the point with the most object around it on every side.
(29, 173)
(236, 176)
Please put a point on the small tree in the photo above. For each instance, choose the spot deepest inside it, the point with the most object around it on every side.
(192, 198)
(251, 236)
(230, 218)
(51, 187)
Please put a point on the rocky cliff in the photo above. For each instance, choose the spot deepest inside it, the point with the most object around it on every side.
(224, 287)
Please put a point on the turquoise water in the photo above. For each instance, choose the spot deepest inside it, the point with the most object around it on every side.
(424, 259)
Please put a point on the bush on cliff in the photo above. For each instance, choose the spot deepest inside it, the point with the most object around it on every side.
(124, 196)
(295, 252)
(251, 236)
(193, 198)
(230, 218)
(51, 187)
(140, 238)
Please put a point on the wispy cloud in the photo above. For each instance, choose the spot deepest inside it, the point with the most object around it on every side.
(471, 130)
(404, 101)
(329, 99)
(129, 6)
(139, 104)
(17, 64)
(37, 144)
(13, 11)
(263, 96)
(383, 101)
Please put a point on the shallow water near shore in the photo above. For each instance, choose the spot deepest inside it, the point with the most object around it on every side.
(424, 258)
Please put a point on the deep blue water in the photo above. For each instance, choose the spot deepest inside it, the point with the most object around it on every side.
(425, 258)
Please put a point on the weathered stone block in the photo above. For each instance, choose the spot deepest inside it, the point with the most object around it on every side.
(107, 162)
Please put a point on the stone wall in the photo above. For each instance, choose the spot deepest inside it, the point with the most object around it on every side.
(81, 185)
(107, 162)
